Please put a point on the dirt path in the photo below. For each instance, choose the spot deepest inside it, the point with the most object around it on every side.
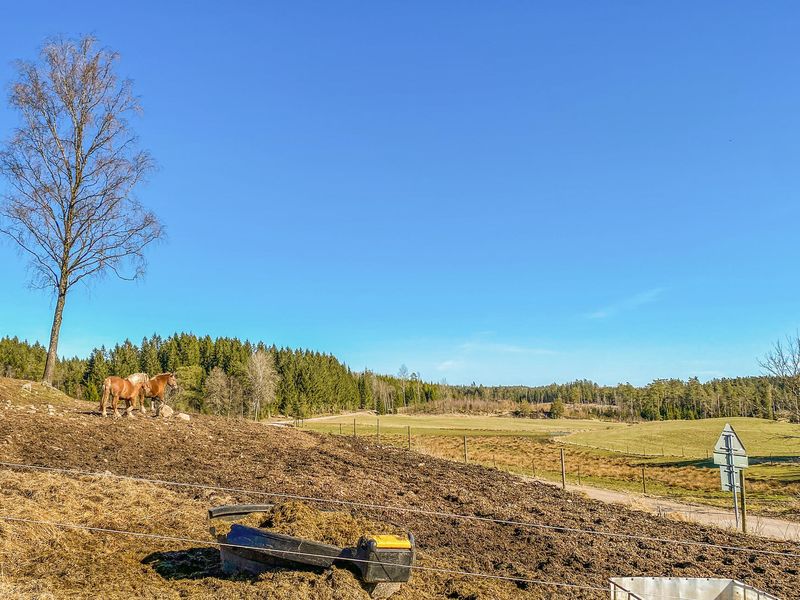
(768, 527)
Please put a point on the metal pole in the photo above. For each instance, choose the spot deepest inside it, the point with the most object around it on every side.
(466, 457)
(744, 501)
(563, 472)
(732, 478)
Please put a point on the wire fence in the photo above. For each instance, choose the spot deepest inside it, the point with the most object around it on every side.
(406, 509)
(581, 472)
(288, 554)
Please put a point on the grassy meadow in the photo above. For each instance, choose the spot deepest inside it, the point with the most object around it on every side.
(695, 439)
(457, 425)
(673, 454)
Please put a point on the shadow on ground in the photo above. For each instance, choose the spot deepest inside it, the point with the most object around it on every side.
(194, 563)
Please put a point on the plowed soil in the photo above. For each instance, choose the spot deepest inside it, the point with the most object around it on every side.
(239, 454)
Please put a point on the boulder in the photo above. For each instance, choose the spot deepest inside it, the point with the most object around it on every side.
(165, 411)
(183, 417)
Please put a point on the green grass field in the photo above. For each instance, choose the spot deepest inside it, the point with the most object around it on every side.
(459, 425)
(695, 439)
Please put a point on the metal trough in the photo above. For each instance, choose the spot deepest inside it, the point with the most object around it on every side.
(382, 562)
(696, 588)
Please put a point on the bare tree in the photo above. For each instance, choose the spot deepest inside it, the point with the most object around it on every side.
(783, 363)
(72, 166)
(217, 391)
(263, 378)
(403, 375)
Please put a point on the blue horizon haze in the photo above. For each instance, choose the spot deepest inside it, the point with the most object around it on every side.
(514, 193)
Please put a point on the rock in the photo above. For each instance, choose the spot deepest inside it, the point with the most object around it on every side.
(183, 417)
(166, 411)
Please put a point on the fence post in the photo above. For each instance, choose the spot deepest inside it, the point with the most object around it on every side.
(644, 484)
(563, 472)
(409, 437)
(744, 501)
(466, 457)
(378, 430)
(340, 429)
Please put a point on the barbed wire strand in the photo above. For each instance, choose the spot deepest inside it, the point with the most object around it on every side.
(171, 538)
(420, 511)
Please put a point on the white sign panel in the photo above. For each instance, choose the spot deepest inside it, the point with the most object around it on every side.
(729, 477)
(729, 442)
(735, 460)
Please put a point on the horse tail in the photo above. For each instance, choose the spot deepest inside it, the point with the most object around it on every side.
(106, 393)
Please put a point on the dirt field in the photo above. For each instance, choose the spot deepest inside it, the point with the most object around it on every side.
(36, 561)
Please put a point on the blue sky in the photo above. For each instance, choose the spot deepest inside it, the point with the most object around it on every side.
(516, 192)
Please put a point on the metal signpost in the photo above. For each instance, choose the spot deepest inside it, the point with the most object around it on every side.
(731, 456)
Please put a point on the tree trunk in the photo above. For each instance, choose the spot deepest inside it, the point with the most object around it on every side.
(52, 352)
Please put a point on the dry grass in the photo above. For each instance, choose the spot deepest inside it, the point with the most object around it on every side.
(46, 562)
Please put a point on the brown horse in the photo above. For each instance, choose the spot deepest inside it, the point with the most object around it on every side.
(116, 388)
(157, 388)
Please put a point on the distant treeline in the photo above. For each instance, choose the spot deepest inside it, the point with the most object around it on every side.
(213, 377)
(662, 399)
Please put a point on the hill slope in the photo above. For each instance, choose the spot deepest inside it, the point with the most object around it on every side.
(241, 454)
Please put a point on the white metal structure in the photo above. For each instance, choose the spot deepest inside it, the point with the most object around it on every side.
(688, 588)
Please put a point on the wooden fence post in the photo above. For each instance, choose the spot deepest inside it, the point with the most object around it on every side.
(340, 429)
(563, 472)
(743, 500)
(409, 437)
(644, 484)
(466, 457)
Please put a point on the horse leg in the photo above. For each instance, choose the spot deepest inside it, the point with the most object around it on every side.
(104, 399)
(115, 404)
(129, 405)
(141, 402)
